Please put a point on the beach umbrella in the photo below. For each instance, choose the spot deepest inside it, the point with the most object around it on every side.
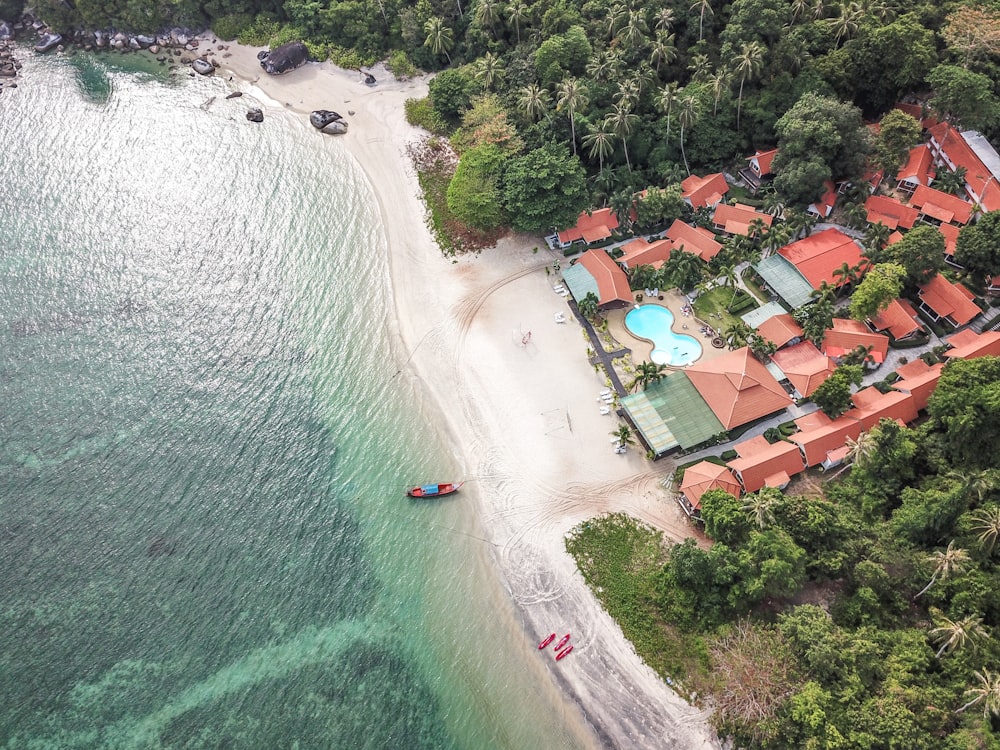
(705, 476)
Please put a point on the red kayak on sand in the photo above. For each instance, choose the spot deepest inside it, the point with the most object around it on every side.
(547, 641)
(563, 642)
(563, 653)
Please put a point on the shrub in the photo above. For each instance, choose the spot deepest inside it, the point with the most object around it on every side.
(420, 113)
(729, 455)
(230, 27)
(348, 59)
(260, 32)
(400, 65)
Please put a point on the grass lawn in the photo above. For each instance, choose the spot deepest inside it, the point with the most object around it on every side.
(713, 303)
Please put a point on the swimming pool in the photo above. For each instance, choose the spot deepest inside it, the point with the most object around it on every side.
(653, 322)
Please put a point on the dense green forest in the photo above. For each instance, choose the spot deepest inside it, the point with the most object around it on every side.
(859, 613)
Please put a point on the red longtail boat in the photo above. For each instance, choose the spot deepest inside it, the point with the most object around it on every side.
(563, 653)
(434, 490)
(547, 641)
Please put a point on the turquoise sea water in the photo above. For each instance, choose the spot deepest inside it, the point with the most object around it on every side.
(203, 446)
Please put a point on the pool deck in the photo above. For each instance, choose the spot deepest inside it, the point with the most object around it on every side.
(642, 348)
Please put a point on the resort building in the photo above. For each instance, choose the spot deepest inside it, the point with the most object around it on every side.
(890, 212)
(950, 232)
(821, 436)
(642, 252)
(704, 192)
(899, 320)
(824, 206)
(918, 170)
(762, 464)
(798, 269)
(758, 169)
(781, 330)
(738, 218)
(590, 227)
(696, 240)
(968, 344)
(871, 406)
(918, 379)
(701, 478)
(945, 300)
(804, 366)
(970, 150)
(595, 272)
(847, 335)
(938, 207)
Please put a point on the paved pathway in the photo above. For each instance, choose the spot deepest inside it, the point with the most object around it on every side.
(599, 353)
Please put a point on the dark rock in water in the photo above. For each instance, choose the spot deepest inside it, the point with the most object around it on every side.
(6, 32)
(48, 41)
(337, 127)
(255, 115)
(203, 66)
(323, 117)
(235, 95)
(145, 41)
(285, 58)
(369, 79)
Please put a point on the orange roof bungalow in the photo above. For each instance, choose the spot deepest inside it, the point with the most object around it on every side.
(781, 330)
(871, 407)
(737, 218)
(846, 335)
(899, 319)
(817, 256)
(945, 300)
(972, 151)
(950, 232)
(773, 466)
(817, 443)
(701, 478)
(595, 272)
(918, 379)
(824, 206)
(590, 227)
(737, 388)
(917, 113)
(938, 207)
(704, 192)
(890, 212)
(642, 252)
(805, 367)
(758, 169)
(696, 240)
(968, 344)
(917, 171)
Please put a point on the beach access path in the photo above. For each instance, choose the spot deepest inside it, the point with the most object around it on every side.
(521, 415)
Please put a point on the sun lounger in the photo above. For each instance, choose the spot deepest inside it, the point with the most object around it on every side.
(605, 392)
(605, 410)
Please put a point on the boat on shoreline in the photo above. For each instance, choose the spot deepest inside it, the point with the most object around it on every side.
(434, 490)
(547, 641)
(563, 653)
(562, 642)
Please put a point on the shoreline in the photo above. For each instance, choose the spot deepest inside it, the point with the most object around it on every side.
(521, 418)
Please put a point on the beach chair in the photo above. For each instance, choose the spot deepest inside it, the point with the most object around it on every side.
(605, 410)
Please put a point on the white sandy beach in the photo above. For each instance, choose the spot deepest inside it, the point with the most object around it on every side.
(525, 418)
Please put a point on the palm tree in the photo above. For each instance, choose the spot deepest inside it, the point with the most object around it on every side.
(946, 564)
(955, 634)
(774, 204)
(818, 9)
(615, 14)
(845, 26)
(533, 101)
(976, 485)
(987, 522)
(634, 30)
(987, 691)
(664, 20)
(719, 83)
(571, 95)
(598, 140)
(737, 334)
(748, 64)
(621, 206)
(604, 66)
(621, 122)
(700, 67)
(876, 235)
(760, 507)
(703, 6)
(666, 100)
(950, 181)
(517, 12)
(860, 449)
(488, 69)
(440, 38)
(799, 9)
(690, 111)
(487, 13)
(588, 305)
(664, 51)
(627, 94)
(624, 435)
(647, 373)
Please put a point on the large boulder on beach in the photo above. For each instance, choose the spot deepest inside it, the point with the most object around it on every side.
(255, 114)
(145, 41)
(203, 66)
(48, 41)
(320, 118)
(285, 58)
(337, 127)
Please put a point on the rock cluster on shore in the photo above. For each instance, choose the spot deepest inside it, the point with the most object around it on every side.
(9, 65)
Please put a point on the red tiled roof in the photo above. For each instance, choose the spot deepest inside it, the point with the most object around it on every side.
(755, 469)
(817, 442)
(736, 219)
(592, 227)
(848, 334)
(959, 153)
(916, 112)
(819, 255)
(894, 238)
(737, 388)
(812, 421)
(780, 329)
(919, 380)
(941, 206)
(804, 366)
(704, 191)
(890, 212)
(899, 319)
(763, 160)
(825, 204)
(642, 252)
(696, 240)
(949, 300)
(918, 167)
(873, 407)
(705, 476)
(612, 283)
(968, 344)
(756, 444)
(950, 232)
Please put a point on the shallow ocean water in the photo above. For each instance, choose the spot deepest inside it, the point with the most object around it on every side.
(204, 446)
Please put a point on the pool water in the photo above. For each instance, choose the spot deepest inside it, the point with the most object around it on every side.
(654, 323)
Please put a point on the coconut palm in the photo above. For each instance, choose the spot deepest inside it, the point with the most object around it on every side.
(719, 82)
(703, 7)
(819, 9)
(845, 26)
(950, 181)
(760, 508)
(946, 563)
(627, 94)
(621, 122)
(665, 19)
(976, 485)
(487, 13)
(800, 8)
(614, 18)
(647, 373)
(588, 305)
(737, 334)
(517, 12)
(634, 31)
(599, 143)
(876, 237)
(605, 65)
(987, 523)
(666, 100)
(571, 95)
(488, 69)
(748, 65)
(690, 112)
(534, 101)
(700, 67)
(624, 435)
(664, 51)
(957, 634)
(440, 38)
(987, 692)
(860, 449)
